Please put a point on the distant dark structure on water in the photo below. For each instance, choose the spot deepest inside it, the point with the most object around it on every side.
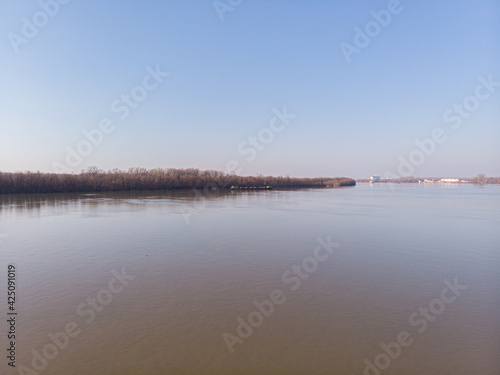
(251, 188)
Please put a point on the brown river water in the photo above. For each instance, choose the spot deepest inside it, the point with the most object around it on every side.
(371, 280)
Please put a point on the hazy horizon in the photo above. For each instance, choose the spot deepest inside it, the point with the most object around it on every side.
(253, 175)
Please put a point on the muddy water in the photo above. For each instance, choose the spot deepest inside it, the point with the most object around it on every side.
(335, 281)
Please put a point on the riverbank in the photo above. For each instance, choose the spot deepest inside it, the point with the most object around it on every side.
(480, 179)
(94, 180)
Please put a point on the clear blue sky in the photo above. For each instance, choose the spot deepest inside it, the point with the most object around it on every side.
(227, 76)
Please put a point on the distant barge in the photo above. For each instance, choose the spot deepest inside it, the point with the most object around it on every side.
(251, 188)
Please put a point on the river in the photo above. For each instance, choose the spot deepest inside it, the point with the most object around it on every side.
(373, 279)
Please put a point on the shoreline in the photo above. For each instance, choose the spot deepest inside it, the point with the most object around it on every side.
(94, 180)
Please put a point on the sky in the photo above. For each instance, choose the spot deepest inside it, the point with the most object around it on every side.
(304, 88)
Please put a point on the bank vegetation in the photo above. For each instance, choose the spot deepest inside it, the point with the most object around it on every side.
(97, 180)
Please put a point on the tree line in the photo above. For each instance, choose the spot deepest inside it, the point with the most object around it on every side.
(94, 179)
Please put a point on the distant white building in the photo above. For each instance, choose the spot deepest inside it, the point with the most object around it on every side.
(450, 180)
(375, 178)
